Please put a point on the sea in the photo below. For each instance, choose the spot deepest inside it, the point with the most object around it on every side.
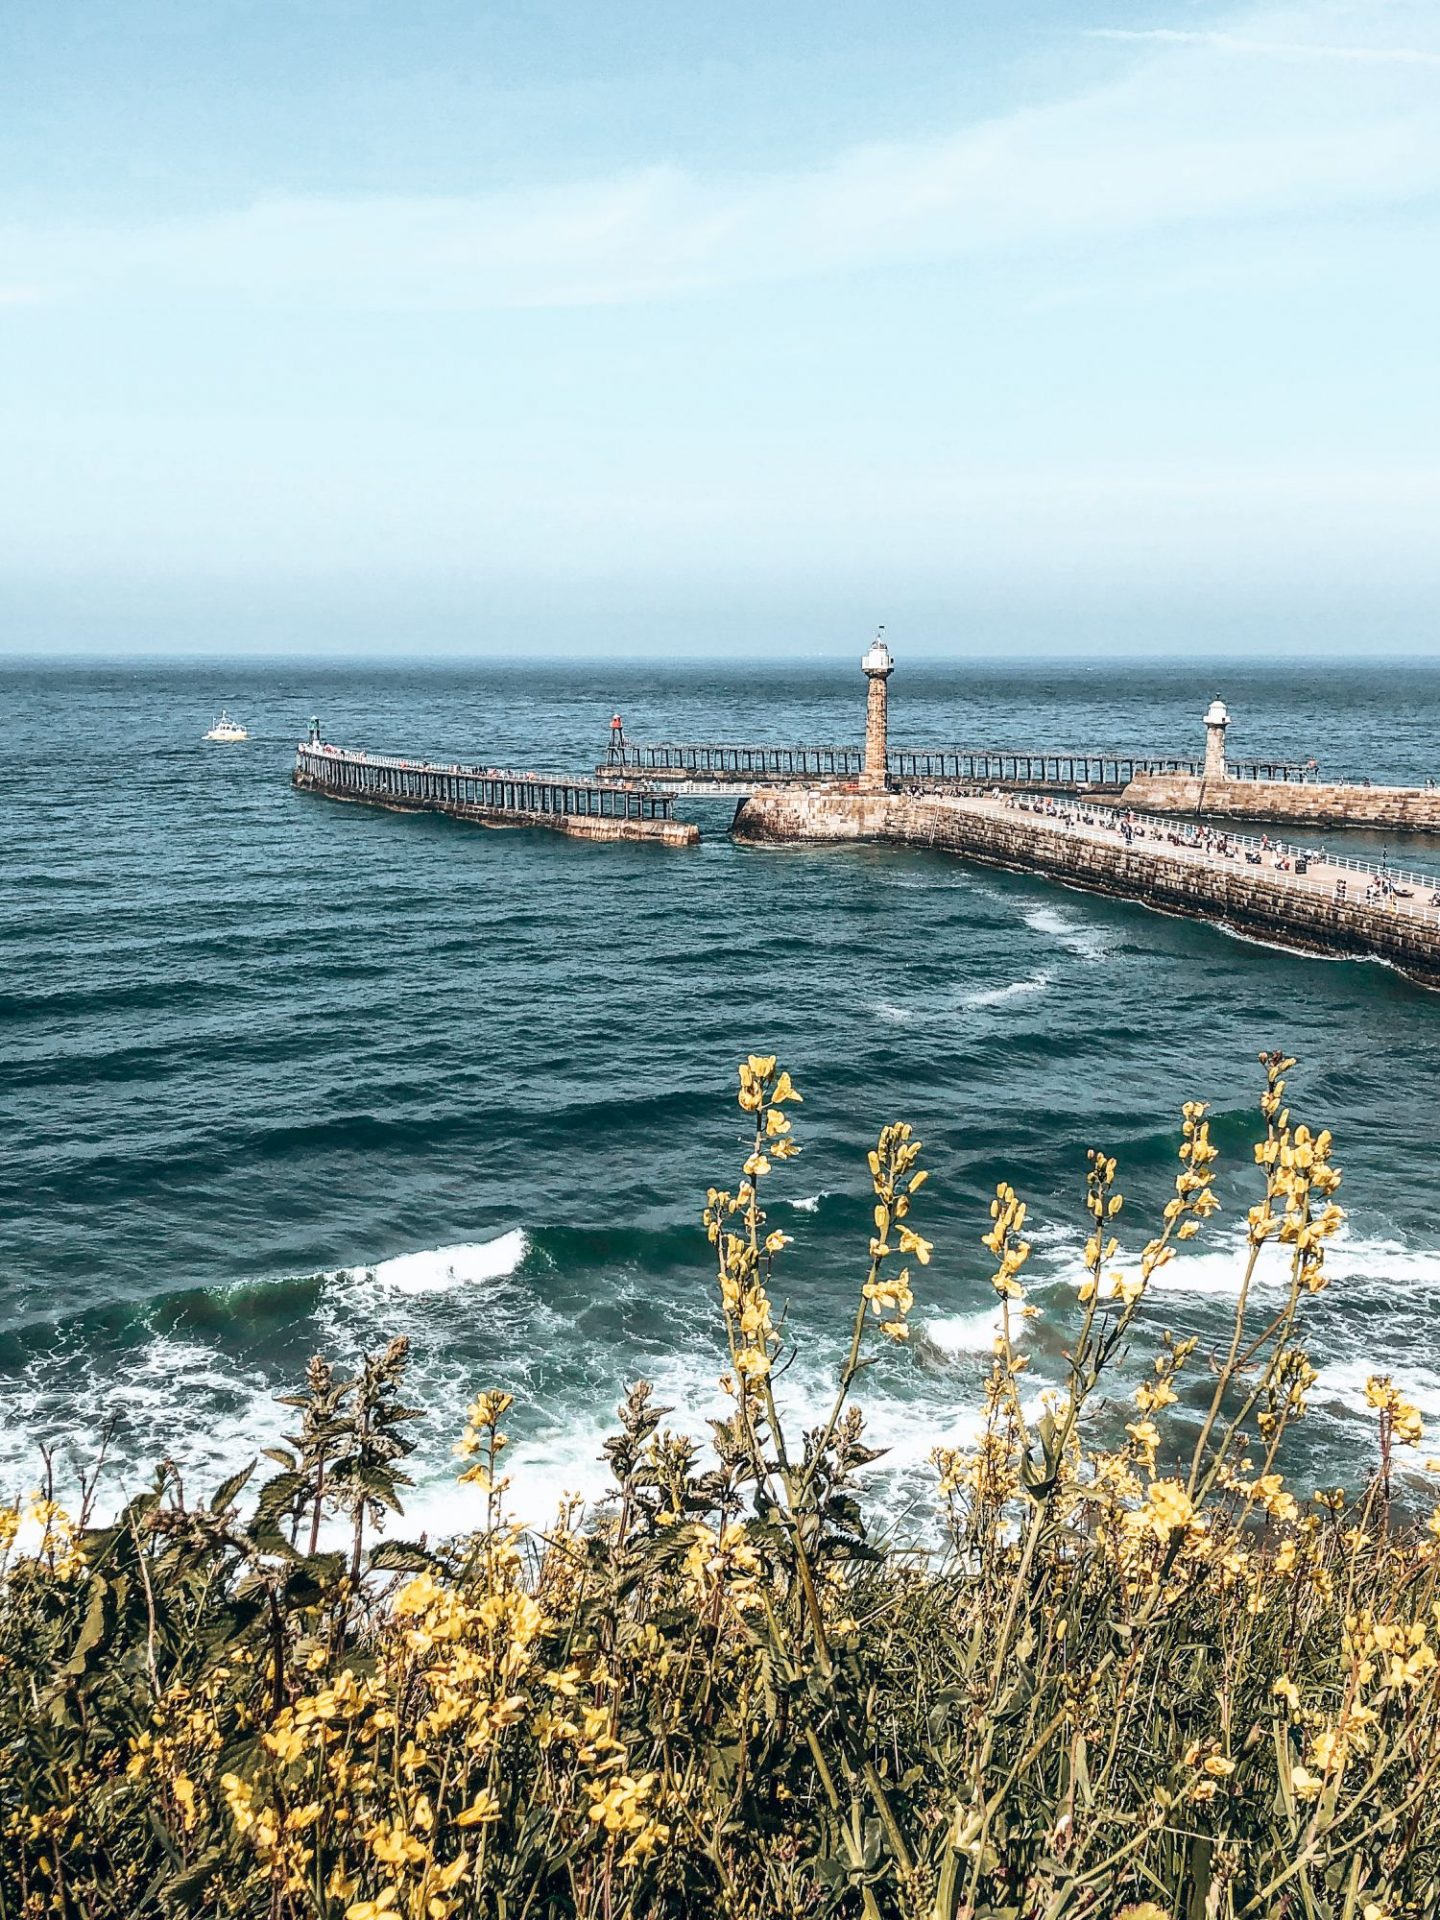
(281, 1077)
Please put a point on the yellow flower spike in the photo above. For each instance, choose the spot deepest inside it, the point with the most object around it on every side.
(184, 1790)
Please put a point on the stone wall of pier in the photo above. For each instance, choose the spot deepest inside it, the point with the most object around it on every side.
(1247, 899)
(1288, 802)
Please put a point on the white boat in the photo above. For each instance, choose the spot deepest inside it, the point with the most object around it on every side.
(227, 729)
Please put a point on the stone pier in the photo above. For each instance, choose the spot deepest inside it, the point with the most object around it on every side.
(1311, 803)
(1318, 911)
(1220, 792)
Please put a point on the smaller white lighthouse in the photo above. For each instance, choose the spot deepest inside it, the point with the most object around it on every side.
(1217, 719)
(878, 667)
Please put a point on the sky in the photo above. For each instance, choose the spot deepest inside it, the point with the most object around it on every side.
(498, 328)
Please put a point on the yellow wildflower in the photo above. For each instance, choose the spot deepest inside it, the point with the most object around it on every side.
(482, 1810)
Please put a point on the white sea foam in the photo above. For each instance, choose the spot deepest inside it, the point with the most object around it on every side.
(172, 1398)
(1068, 931)
(895, 1016)
(1343, 1382)
(1215, 1264)
(1015, 990)
(1403, 1269)
(965, 1333)
(441, 1269)
(810, 1204)
(181, 1397)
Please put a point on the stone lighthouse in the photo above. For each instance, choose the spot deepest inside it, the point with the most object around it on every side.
(1216, 721)
(878, 668)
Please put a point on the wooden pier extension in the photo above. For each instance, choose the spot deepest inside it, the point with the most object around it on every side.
(698, 766)
(586, 809)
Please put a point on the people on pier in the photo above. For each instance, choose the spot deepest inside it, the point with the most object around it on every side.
(1199, 838)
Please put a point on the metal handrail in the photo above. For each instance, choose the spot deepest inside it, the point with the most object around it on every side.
(470, 772)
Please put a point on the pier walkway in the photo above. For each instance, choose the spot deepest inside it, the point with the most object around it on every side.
(697, 767)
(1336, 906)
(491, 796)
(1331, 876)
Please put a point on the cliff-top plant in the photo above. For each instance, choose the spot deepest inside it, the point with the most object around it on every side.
(1142, 1675)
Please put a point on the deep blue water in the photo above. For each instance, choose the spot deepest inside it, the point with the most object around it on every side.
(279, 1075)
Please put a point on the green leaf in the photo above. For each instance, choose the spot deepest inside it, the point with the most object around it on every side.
(92, 1630)
(224, 1497)
(401, 1556)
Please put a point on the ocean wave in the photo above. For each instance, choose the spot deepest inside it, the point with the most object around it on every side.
(170, 1398)
(966, 1333)
(442, 1269)
(1343, 1383)
(1090, 942)
(186, 1400)
(1015, 990)
(179, 1394)
(1215, 1265)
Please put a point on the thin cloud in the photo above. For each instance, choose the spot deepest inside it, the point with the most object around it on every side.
(1269, 49)
(1149, 149)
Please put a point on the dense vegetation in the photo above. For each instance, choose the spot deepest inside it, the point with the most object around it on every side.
(1145, 1677)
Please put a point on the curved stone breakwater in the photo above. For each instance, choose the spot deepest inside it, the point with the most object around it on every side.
(1323, 909)
(491, 797)
(1309, 803)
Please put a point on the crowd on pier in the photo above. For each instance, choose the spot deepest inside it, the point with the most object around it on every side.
(1196, 836)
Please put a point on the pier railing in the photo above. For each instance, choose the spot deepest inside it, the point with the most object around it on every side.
(731, 762)
(1314, 868)
(491, 789)
(1008, 767)
(728, 759)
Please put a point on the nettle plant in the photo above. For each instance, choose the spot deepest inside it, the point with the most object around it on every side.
(1141, 1676)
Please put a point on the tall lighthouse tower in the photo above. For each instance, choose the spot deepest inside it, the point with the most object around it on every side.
(878, 667)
